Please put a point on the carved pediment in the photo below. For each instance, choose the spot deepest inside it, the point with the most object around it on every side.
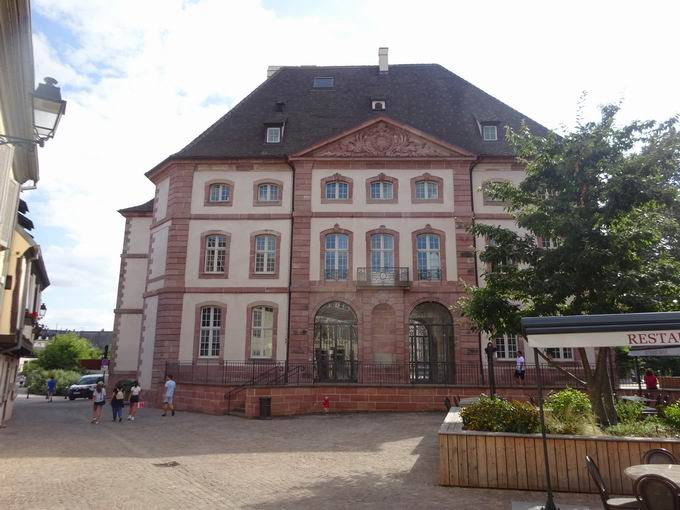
(383, 139)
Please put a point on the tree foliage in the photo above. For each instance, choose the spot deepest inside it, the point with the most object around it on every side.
(608, 199)
(65, 351)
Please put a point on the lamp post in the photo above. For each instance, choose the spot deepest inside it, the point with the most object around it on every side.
(42, 311)
(48, 109)
(490, 350)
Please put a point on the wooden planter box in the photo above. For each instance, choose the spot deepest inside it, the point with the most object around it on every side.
(669, 382)
(515, 461)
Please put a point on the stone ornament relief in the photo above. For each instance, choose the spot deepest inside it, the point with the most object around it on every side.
(382, 140)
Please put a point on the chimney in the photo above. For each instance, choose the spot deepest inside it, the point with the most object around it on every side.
(382, 59)
(271, 70)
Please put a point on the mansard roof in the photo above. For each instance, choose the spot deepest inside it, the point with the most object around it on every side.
(427, 97)
(146, 207)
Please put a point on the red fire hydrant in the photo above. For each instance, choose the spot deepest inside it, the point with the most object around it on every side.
(326, 404)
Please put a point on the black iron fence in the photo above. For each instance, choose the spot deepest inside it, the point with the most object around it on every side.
(383, 277)
(236, 373)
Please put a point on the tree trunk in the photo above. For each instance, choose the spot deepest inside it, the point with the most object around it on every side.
(601, 392)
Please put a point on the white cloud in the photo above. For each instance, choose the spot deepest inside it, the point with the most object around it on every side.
(142, 79)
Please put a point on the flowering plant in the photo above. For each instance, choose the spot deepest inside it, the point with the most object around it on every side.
(32, 315)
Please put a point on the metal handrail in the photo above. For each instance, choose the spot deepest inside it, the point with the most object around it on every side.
(242, 387)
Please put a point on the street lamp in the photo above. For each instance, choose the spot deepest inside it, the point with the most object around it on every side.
(48, 109)
(42, 311)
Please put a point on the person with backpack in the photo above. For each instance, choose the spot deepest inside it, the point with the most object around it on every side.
(99, 399)
(118, 402)
(135, 397)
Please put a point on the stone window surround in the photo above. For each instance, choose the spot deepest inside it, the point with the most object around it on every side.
(337, 177)
(382, 230)
(428, 177)
(197, 329)
(206, 197)
(249, 327)
(442, 252)
(202, 274)
(485, 199)
(277, 258)
(266, 203)
(350, 252)
(381, 177)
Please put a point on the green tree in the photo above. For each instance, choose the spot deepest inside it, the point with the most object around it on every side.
(65, 351)
(608, 199)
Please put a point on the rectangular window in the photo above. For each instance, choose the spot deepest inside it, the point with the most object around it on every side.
(323, 83)
(274, 134)
(428, 257)
(336, 257)
(268, 193)
(215, 254)
(209, 341)
(262, 332)
(265, 254)
(490, 133)
(219, 193)
(559, 352)
(381, 190)
(337, 191)
(507, 346)
(426, 190)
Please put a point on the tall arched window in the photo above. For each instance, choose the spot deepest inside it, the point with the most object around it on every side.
(209, 333)
(336, 259)
(382, 252)
(265, 254)
(215, 253)
(262, 332)
(428, 257)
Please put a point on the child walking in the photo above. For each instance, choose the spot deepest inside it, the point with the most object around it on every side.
(118, 402)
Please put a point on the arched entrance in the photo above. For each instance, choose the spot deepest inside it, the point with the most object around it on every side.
(335, 343)
(431, 344)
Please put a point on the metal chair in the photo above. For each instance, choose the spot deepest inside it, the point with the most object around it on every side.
(658, 456)
(657, 493)
(607, 502)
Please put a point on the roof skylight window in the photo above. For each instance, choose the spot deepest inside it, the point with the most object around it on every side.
(323, 83)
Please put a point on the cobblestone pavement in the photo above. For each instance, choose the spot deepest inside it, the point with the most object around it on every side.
(52, 457)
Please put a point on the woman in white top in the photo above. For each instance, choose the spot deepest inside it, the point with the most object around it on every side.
(135, 397)
(99, 399)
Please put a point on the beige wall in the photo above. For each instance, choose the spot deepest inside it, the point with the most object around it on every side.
(405, 227)
(134, 283)
(161, 209)
(235, 325)
(127, 347)
(159, 250)
(239, 253)
(139, 235)
(488, 172)
(404, 193)
(243, 189)
(148, 341)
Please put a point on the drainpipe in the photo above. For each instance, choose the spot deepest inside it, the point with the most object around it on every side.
(290, 265)
(474, 245)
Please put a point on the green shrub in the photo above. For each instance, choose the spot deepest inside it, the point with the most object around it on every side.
(629, 412)
(569, 411)
(671, 415)
(36, 380)
(649, 427)
(499, 415)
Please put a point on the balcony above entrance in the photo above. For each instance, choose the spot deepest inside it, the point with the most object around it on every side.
(383, 277)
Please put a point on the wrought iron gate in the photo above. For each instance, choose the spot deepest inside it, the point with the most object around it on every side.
(335, 352)
(431, 353)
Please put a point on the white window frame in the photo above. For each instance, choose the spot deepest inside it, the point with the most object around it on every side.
(490, 136)
(220, 190)
(272, 192)
(265, 255)
(382, 187)
(424, 190)
(215, 254)
(339, 257)
(261, 333)
(209, 332)
(336, 190)
(429, 255)
(562, 353)
(507, 347)
(273, 134)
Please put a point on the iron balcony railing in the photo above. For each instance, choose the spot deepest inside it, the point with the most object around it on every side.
(383, 277)
(245, 373)
(429, 275)
(336, 274)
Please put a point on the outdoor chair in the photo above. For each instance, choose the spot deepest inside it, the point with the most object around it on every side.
(607, 502)
(658, 456)
(657, 493)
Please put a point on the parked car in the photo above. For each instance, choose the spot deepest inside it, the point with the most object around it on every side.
(84, 388)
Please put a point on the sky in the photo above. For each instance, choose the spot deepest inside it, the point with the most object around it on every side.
(143, 78)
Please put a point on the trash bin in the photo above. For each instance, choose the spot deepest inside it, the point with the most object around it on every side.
(265, 408)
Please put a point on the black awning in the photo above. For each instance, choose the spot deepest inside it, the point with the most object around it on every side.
(652, 321)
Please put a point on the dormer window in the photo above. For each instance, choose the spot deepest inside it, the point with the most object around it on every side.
(273, 134)
(490, 132)
(323, 82)
(378, 105)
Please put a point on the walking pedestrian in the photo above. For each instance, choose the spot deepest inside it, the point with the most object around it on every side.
(118, 402)
(98, 401)
(135, 397)
(51, 388)
(519, 366)
(169, 395)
